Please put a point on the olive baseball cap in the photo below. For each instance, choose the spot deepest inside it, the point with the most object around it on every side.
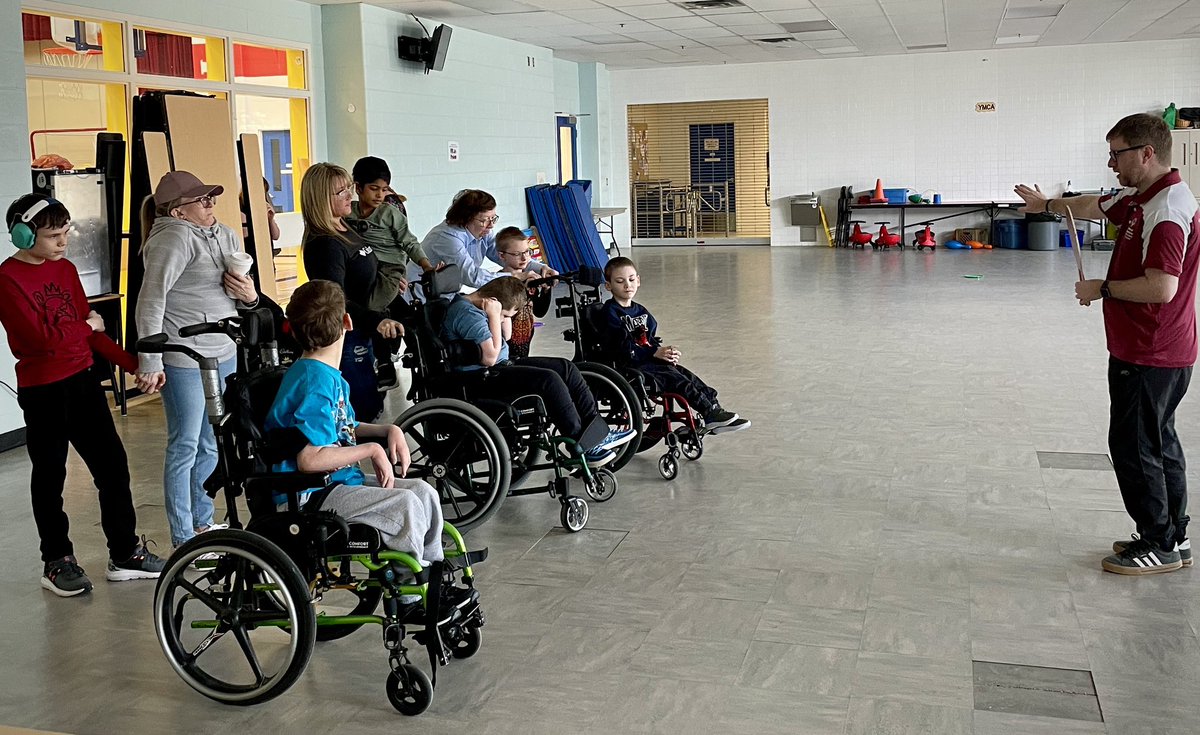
(183, 185)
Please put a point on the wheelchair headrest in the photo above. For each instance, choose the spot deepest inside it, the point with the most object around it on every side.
(258, 326)
(590, 275)
(447, 281)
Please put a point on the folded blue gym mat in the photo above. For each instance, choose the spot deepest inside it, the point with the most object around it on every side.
(565, 226)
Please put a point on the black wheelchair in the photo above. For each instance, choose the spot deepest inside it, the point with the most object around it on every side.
(238, 612)
(521, 427)
(664, 416)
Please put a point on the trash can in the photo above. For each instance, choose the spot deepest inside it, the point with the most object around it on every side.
(1043, 231)
(1011, 233)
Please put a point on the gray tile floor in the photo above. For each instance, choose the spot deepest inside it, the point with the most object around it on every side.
(836, 569)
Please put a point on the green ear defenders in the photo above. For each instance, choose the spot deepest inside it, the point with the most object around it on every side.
(22, 233)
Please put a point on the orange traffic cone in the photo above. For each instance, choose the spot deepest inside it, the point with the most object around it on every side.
(879, 198)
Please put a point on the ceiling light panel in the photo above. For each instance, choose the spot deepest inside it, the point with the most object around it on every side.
(1042, 10)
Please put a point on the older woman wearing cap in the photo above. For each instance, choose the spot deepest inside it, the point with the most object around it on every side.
(186, 282)
(466, 238)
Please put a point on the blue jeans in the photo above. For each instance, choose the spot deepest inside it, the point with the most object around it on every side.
(191, 450)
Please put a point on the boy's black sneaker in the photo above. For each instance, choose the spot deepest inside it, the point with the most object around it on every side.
(141, 565)
(65, 578)
(1184, 548)
(719, 417)
(1141, 557)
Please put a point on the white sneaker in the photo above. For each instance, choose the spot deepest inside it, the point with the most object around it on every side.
(212, 527)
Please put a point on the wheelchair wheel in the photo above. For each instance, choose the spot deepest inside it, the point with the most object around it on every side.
(409, 690)
(253, 592)
(468, 645)
(690, 444)
(618, 405)
(456, 448)
(668, 467)
(603, 485)
(574, 514)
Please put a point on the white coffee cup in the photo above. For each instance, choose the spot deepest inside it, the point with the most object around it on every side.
(238, 263)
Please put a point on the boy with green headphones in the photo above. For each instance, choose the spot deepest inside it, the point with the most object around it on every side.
(52, 333)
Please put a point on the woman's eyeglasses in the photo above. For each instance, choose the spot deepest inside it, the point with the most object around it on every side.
(345, 191)
(205, 202)
(487, 221)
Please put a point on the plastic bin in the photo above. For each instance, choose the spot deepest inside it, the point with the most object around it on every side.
(1011, 233)
(1042, 235)
(1064, 238)
(896, 196)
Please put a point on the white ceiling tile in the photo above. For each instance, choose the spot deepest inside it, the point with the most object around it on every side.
(741, 19)
(655, 35)
(596, 15)
(564, 4)
(632, 25)
(793, 16)
(497, 7)
(762, 29)
(706, 33)
(763, 5)
(676, 24)
(730, 40)
(650, 12)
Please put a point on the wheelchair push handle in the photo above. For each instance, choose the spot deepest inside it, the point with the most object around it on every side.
(210, 376)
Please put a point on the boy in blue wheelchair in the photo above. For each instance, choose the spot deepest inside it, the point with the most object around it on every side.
(314, 398)
(630, 337)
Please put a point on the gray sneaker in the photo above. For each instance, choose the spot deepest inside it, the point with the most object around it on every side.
(65, 578)
(1184, 548)
(141, 565)
(1141, 557)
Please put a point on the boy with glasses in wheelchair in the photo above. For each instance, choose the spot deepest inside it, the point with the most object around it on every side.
(484, 318)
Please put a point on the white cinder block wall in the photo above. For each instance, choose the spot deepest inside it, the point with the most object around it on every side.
(14, 174)
(911, 120)
(489, 100)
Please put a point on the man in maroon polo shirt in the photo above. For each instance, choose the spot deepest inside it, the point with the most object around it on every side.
(1150, 321)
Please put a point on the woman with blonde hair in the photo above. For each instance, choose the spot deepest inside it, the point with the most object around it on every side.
(334, 251)
(186, 282)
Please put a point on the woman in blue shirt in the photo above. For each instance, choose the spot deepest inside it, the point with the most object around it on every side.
(466, 237)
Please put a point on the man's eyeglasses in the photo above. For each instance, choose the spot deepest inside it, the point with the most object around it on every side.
(520, 254)
(204, 201)
(487, 221)
(1112, 155)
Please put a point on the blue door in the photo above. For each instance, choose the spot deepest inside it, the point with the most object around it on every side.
(712, 169)
(568, 158)
(277, 167)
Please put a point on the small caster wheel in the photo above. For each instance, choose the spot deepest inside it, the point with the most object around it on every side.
(411, 696)
(603, 485)
(468, 645)
(692, 447)
(574, 514)
(668, 467)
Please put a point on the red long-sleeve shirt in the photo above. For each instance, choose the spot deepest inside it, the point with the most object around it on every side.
(44, 311)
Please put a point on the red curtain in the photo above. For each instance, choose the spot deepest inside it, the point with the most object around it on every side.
(167, 55)
(35, 27)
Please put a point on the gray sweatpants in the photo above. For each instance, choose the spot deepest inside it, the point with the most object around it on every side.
(408, 516)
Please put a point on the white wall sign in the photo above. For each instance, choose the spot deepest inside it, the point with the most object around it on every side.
(985, 107)
(453, 151)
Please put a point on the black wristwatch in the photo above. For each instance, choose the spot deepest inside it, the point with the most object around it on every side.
(1104, 292)
(1048, 202)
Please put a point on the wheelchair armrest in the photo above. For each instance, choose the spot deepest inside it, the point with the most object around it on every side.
(287, 483)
